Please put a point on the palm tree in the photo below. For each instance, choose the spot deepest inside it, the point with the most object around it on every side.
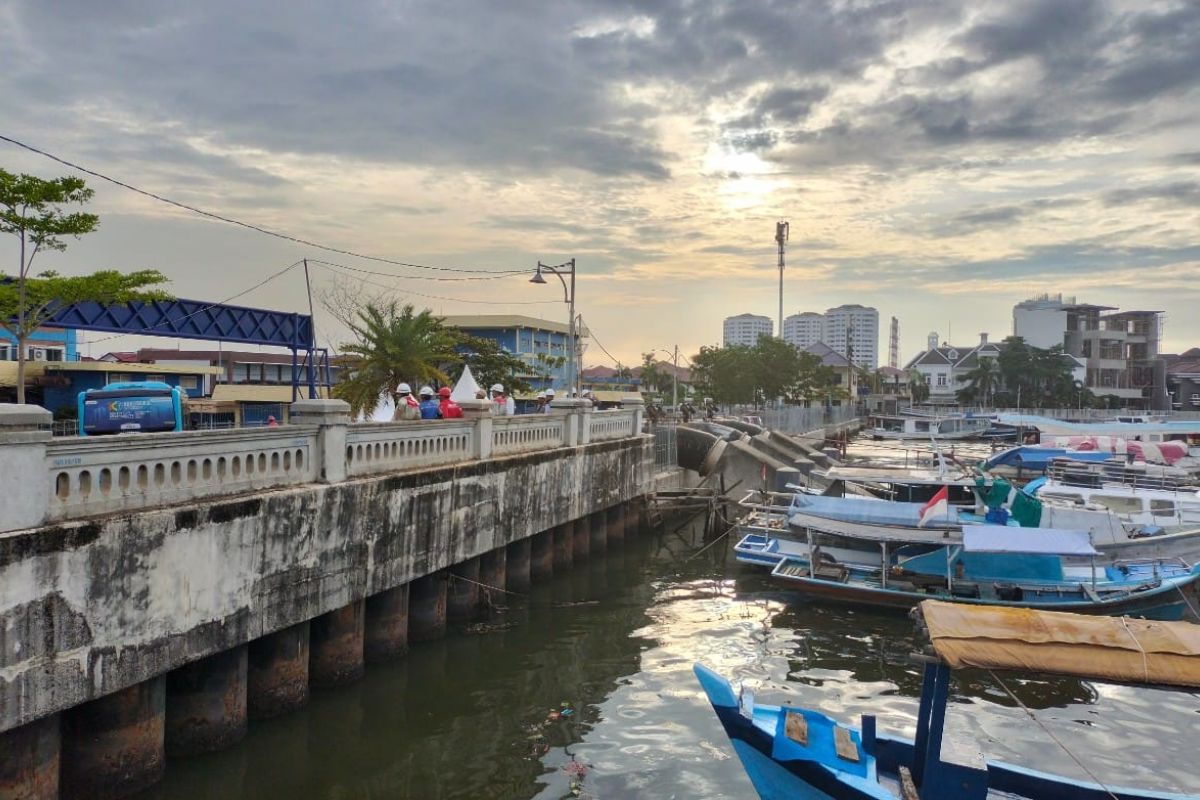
(984, 378)
(918, 389)
(394, 344)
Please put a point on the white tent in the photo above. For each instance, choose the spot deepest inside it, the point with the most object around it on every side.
(466, 388)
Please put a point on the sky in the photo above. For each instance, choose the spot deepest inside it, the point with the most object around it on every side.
(938, 160)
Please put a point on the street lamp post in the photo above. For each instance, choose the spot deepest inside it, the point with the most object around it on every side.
(567, 268)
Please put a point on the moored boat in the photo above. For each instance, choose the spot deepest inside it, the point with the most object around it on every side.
(794, 752)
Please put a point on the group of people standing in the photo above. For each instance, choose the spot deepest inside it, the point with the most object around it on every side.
(423, 404)
(426, 407)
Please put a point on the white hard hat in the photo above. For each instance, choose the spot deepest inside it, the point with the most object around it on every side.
(549, 393)
(426, 391)
(541, 395)
(404, 388)
(497, 387)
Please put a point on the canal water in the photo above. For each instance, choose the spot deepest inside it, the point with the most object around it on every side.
(584, 689)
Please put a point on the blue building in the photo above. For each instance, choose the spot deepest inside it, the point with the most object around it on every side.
(541, 344)
(61, 383)
(44, 344)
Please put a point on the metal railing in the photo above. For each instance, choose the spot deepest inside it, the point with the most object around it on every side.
(666, 453)
(794, 419)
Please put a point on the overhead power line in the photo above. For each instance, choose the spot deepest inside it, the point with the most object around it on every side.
(240, 223)
(592, 335)
(493, 302)
(488, 277)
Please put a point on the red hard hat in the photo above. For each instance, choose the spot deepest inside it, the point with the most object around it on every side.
(444, 391)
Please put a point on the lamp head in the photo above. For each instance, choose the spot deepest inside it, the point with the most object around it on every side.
(537, 276)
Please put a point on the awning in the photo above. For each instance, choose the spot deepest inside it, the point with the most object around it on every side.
(1118, 649)
(1042, 541)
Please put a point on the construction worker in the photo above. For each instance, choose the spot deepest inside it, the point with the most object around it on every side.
(429, 406)
(549, 399)
(540, 407)
(448, 408)
(504, 406)
(407, 406)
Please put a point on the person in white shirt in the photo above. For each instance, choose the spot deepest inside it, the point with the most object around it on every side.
(549, 399)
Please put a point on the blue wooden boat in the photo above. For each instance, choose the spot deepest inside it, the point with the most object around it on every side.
(791, 752)
(996, 565)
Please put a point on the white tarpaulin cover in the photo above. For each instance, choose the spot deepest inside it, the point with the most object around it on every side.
(466, 387)
(1044, 541)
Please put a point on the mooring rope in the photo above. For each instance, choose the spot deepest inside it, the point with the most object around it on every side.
(1142, 650)
(1191, 607)
(732, 528)
(1050, 733)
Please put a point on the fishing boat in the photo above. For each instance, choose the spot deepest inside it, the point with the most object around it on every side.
(1003, 566)
(907, 426)
(794, 752)
(1030, 461)
(1137, 429)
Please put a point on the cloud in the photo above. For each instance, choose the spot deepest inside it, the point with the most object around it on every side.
(1177, 193)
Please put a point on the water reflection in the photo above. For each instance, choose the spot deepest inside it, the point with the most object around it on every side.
(481, 714)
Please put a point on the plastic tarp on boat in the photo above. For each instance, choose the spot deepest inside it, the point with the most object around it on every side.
(1026, 510)
(1117, 649)
(1039, 541)
(859, 509)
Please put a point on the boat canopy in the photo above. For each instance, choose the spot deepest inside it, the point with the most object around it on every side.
(1117, 649)
(1037, 541)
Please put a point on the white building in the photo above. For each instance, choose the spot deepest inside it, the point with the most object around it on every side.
(746, 328)
(804, 330)
(853, 331)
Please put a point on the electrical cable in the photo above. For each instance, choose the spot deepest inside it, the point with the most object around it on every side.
(242, 293)
(335, 269)
(239, 223)
(489, 277)
(601, 346)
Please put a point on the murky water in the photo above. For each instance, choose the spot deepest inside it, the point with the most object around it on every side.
(470, 716)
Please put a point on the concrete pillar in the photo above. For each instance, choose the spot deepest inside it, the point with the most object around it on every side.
(386, 634)
(480, 414)
(206, 704)
(333, 417)
(24, 482)
(541, 556)
(582, 539)
(113, 746)
(638, 405)
(462, 593)
(564, 544)
(277, 672)
(336, 647)
(518, 573)
(493, 571)
(29, 757)
(615, 526)
(597, 525)
(427, 608)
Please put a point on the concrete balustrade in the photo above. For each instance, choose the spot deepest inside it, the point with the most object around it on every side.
(158, 591)
(90, 476)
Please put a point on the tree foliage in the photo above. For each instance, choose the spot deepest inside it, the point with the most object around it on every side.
(1035, 377)
(33, 210)
(490, 363)
(771, 369)
(394, 344)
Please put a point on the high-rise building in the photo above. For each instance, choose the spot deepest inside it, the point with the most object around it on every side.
(804, 330)
(746, 328)
(853, 331)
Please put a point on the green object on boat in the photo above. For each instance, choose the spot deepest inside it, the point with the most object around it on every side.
(1026, 510)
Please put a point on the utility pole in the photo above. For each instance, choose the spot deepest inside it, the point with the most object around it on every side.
(781, 236)
(675, 382)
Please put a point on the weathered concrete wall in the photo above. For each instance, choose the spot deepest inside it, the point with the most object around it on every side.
(88, 608)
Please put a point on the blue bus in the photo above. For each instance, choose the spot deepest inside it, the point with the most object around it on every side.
(136, 406)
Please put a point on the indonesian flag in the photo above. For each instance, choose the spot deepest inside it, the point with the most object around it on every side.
(938, 506)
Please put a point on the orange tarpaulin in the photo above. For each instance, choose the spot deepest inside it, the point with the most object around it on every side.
(1117, 649)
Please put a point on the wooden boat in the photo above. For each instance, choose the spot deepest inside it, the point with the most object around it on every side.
(793, 752)
(905, 426)
(997, 565)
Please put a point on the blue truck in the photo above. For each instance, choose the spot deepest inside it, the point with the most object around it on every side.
(132, 407)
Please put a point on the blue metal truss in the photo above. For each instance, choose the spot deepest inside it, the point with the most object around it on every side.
(192, 319)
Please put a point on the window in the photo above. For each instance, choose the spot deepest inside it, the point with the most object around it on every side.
(941, 379)
(7, 353)
(1122, 505)
(44, 353)
(189, 382)
(1162, 508)
(119, 377)
(156, 378)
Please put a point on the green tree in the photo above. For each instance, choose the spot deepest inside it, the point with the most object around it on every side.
(982, 382)
(812, 378)
(490, 363)
(774, 367)
(726, 374)
(651, 376)
(393, 344)
(547, 365)
(918, 389)
(33, 210)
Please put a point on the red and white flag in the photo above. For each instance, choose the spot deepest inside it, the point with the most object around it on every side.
(938, 506)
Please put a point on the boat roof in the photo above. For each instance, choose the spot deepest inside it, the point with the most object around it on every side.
(1039, 541)
(1115, 649)
(914, 477)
